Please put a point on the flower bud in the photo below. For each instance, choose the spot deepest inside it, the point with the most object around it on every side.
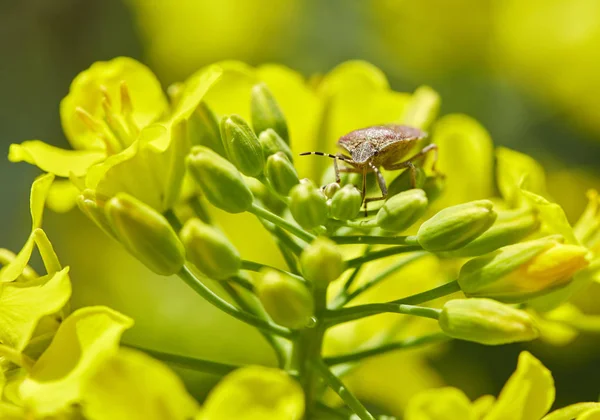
(219, 180)
(242, 146)
(456, 226)
(271, 143)
(145, 233)
(93, 208)
(519, 272)
(322, 262)
(486, 321)
(346, 203)
(308, 205)
(434, 187)
(281, 173)
(331, 189)
(403, 182)
(402, 210)
(203, 129)
(266, 113)
(210, 250)
(287, 301)
(509, 228)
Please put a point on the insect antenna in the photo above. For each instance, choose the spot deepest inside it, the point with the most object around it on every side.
(329, 155)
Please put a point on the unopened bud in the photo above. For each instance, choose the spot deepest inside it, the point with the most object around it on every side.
(146, 234)
(281, 173)
(287, 301)
(272, 143)
(266, 113)
(331, 189)
(346, 203)
(456, 226)
(308, 205)
(486, 321)
(509, 228)
(93, 208)
(404, 182)
(242, 146)
(219, 180)
(322, 262)
(517, 273)
(210, 250)
(434, 187)
(402, 210)
(203, 129)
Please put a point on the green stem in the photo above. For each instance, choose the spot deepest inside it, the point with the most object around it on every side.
(353, 313)
(207, 366)
(173, 220)
(343, 299)
(388, 252)
(429, 295)
(353, 276)
(191, 280)
(376, 240)
(386, 348)
(274, 342)
(254, 266)
(338, 386)
(284, 224)
(242, 282)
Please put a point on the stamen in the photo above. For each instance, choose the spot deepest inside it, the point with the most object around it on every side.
(105, 95)
(92, 123)
(126, 105)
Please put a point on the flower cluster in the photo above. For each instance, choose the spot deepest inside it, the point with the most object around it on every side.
(158, 174)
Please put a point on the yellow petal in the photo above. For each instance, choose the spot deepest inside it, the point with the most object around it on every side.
(255, 393)
(422, 109)
(131, 386)
(84, 340)
(22, 305)
(578, 411)
(194, 91)
(552, 216)
(148, 99)
(440, 404)
(62, 196)
(528, 394)
(39, 192)
(49, 257)
(53, 159)
(515, 171)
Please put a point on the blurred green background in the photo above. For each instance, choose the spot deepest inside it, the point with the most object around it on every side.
(528, 71)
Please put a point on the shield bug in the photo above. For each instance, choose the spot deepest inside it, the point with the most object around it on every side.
(378, 146)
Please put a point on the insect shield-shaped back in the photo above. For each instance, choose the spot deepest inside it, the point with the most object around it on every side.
(380, 144)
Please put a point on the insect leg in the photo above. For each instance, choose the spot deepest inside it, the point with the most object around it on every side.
(364, 188)
(335, 161)
(382, 186)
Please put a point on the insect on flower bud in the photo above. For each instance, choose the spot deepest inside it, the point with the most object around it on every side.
(242, 146)
(517, 273)
(210, 250)
(486, 321)
(402, 210)
(219, 180)
(308, 205)
(145, 233)
(456, 226)
(281, 173)
(203, 129)
(346, 203)
(272, 143)
(287, 301)
(322, 262)
(509, 228)
(266, 113)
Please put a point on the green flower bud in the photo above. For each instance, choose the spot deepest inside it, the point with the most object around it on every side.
(210, 250)
(402, 210)
(287, 301)
(456, 226)
(509, 228)
(93, 208)
(346, 203)
(266, 113)
(219, 180)
(281, 173)
(322, 262)
(434, 187)
(203, 129)
(403, 182)
(486, 321)
(271, 143)
(146, 234)
(242, 146)
(265, 196)
(517, 273)
(308, 205)
(331, 189)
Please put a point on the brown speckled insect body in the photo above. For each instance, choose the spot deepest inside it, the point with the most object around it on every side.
(378, 146)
